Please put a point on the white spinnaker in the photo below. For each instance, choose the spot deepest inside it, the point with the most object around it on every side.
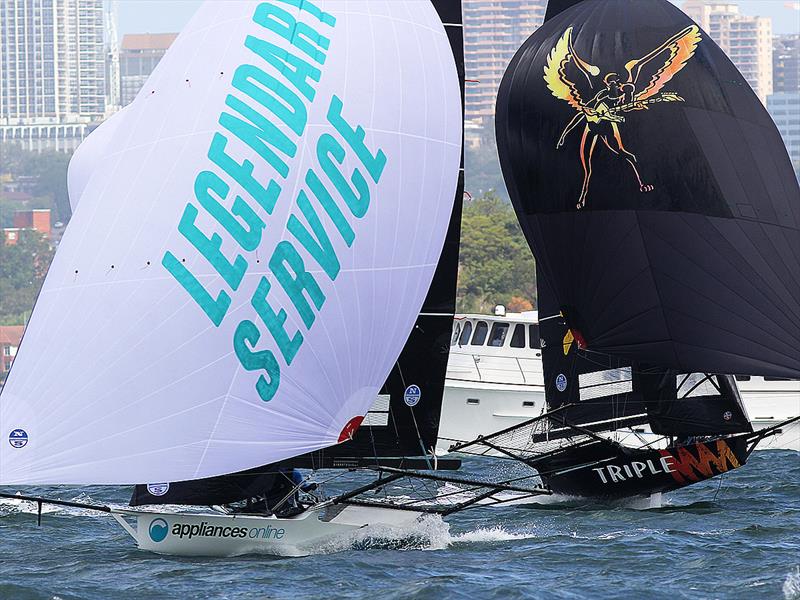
(91, 151)
(121, 378)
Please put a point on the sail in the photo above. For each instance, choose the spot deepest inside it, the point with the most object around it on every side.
(89, 154)
(405, 418)
(654, 190)
(604, 393)
(246, 266)
(690, 404)
(399, 424)
(225, 489)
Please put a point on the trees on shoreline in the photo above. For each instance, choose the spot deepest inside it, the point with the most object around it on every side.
(495, 265)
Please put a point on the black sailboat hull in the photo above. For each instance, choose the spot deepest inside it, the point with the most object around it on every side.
(607, 470)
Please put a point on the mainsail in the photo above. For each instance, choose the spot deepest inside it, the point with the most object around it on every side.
(654, 189)
(281, 191)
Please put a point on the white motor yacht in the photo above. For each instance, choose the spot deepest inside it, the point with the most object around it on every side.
(494, 381)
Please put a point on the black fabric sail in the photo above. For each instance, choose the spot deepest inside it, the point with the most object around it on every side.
(600, 392)
(404, 421)
(654, 189)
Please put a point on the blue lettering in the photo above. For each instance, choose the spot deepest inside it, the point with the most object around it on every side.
(355, 139)
(310, 8)
(358, 200)
(318, 245)
(304, 37)
(330, 206)
(244, 340)
(248, 238)
(294, 69)
(243, 174)
(257, 130)
(214, 308)
(210, 248)
(285, 258)
(282, 102)
(275, 322)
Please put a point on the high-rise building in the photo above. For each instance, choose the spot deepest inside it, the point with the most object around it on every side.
(139, 55)
(493, 31)
(112, 58)
(786, 63)
(747, 40)
(784, 107)
(52, 70)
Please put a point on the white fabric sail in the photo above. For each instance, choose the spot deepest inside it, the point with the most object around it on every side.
(91, 152)
(248, 261)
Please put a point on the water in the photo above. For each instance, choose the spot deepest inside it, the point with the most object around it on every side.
(737, 540)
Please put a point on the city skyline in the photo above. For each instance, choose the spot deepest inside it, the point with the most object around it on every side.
(166, 16)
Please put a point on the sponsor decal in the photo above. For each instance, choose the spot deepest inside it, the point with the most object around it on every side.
(204, 529)
(157, 489)
(561, 382)
(295, 46)
(18, 438)
(412, 395)
(635, 469)
(684, 468)
(706, 464)
(159, 529)
(727, 415)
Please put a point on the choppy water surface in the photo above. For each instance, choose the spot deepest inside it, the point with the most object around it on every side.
(737, 540)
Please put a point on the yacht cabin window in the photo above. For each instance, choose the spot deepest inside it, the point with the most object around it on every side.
(533, 336)
(518, 337)
(465, 333)
(481, 329)
(498, 335)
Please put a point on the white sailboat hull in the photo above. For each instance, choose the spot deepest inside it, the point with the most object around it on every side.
(220, 535)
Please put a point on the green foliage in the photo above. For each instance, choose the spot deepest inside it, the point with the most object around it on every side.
(496, 263)
(482, 168)
(22, 270)
(49, 169)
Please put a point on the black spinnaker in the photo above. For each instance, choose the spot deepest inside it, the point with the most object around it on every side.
(661, 206)
(654, 189)
(402, 427)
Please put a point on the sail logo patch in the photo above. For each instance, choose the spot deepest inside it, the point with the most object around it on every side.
(614, 95)
(18, 438)
(561, 382)
(412, 395)
(159, 529)
(157, 489)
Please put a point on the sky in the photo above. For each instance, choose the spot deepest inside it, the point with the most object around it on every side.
(158, 16)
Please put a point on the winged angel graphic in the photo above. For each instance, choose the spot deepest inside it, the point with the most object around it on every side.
(604, 113)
